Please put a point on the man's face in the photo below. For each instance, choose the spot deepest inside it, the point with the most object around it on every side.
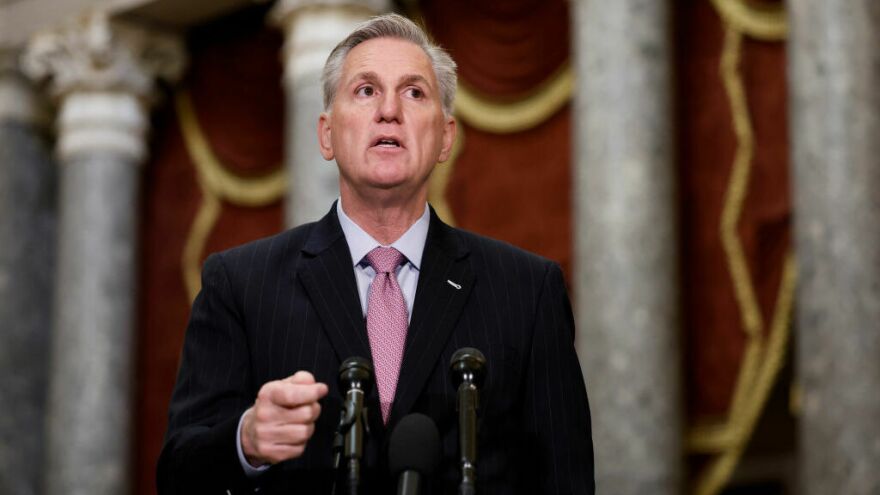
(386, 127)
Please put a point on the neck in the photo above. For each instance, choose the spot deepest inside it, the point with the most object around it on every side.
(385, 219)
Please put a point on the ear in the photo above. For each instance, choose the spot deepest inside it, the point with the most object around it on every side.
(449, 132)
(324, 137)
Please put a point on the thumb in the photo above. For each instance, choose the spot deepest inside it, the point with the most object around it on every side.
(306, 378)
(301, 378)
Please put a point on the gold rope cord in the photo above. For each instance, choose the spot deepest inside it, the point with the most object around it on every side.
(764, 355)
(498, 117)
(765, 22)
(216, 184)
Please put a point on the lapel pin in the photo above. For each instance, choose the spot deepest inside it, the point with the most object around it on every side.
(457, 286)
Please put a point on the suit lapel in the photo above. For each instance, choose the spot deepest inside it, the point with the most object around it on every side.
(445, 282)
(327, 275)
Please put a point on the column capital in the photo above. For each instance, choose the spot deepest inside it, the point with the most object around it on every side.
(284, 11)
(93, 53)
(104, 73)
(19, 101)
(313, 27)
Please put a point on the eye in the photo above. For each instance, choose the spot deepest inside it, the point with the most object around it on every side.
(365, 91)
(416, 93)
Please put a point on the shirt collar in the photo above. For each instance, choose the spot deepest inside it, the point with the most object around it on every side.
(411, 244)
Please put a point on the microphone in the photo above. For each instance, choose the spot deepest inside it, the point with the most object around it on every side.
(414, 452)
(468, 369)
(356, 380)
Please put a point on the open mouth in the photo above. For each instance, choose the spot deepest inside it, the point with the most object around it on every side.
(387, 142)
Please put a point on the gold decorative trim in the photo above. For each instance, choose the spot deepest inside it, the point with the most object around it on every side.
(762, 22)
(733, 205)
(764, 354)
(742, 423)
(203, 223)
(486, 115)
(440, 180)
(507, 117)
(217, 184)
(256, 191)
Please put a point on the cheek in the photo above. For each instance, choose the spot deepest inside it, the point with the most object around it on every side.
(344, 139)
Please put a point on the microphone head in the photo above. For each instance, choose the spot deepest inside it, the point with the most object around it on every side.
(356, 372)
(414, 445)
(468, 363)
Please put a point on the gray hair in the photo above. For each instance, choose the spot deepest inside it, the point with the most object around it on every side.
(391, 26)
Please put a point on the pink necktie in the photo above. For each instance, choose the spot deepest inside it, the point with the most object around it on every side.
(387, 322)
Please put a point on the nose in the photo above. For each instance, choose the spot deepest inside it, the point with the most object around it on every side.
(389, 108)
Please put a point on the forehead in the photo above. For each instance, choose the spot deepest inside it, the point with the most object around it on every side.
(389, 58)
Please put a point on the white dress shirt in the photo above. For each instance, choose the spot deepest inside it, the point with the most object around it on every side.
(411, 244)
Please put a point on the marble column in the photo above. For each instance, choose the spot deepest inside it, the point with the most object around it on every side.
(834, 78)
(103, 76)
(27, 259)
(312, 29)
(627, 294)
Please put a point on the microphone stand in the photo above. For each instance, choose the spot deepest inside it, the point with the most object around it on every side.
(468, 402)
(355, 376)
(467, 368)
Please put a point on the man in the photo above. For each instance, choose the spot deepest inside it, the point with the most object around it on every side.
(256, 401)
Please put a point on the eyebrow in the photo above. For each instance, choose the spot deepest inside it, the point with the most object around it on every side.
(369, 76)
(408, 79)
(414, 78)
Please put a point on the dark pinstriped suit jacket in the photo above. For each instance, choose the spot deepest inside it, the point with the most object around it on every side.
(289, 302)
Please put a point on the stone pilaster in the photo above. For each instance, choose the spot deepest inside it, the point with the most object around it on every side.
(312, 28)
(834, 81)
(27, 259)
(103, 75)
(626, 242)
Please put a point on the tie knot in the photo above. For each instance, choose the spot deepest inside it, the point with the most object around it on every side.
(384, 259)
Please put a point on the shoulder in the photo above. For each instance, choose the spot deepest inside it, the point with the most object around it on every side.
(270, 252)
(495, 256)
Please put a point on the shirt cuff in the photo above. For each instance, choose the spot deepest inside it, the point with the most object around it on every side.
(250, 471)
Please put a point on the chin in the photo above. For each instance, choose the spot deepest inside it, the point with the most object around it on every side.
(387, 177)
(386, 185)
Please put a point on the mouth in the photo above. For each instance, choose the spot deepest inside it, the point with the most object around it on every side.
(387, 142)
